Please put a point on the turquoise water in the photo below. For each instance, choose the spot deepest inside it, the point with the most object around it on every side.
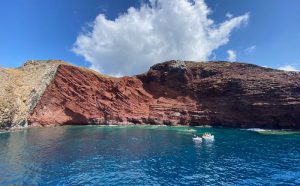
(145, 155)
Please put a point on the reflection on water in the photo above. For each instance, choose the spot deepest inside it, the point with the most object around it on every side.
(139, 155)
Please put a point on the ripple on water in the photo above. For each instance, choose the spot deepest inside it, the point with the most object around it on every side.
(147, 155)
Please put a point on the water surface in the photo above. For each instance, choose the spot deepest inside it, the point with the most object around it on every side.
(148, 155)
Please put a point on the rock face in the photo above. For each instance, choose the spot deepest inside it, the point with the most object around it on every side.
(170, 93)
(21, 89)
(231, 94)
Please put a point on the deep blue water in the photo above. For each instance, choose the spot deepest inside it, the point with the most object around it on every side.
(145, 155)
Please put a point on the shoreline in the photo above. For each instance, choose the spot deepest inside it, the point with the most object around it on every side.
(258, 130)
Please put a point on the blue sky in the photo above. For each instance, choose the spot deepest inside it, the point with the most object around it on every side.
(48, 29)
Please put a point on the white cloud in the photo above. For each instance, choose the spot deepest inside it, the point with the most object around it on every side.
(250, 49)
(229, 15)
(156, 32)
(231, 55)
(288, 68)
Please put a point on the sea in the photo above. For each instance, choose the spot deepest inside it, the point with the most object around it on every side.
(148, 155)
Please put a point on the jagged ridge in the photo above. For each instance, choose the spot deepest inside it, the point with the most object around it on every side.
(171, 93)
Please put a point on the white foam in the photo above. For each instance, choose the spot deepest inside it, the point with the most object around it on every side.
(257, 129)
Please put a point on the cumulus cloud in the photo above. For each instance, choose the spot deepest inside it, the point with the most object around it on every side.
(231, 55)
(288, 68)
(157, 31)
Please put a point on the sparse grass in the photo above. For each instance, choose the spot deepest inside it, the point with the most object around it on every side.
(20, 85)
(17, 87)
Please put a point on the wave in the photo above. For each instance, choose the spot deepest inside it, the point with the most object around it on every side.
(272, 132)
(257, 130)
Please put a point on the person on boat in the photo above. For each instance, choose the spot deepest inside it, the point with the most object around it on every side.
(207, 135)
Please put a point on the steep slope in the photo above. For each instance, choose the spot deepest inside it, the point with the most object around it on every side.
(231, 94)
(172, 93)
(21, 89)
(78, 96)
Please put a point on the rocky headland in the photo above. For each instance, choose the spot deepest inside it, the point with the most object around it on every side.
(171, 93)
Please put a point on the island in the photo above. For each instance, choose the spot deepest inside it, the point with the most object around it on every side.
(215, 93)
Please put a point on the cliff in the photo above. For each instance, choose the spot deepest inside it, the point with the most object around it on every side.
(21, 89)
(171, 93)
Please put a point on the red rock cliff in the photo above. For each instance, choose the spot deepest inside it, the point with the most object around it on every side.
(172, 93)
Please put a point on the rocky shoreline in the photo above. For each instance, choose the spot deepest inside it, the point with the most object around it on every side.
(171, 93)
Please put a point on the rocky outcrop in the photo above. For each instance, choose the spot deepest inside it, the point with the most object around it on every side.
(170, 93)
(231, 94)
(21, 89)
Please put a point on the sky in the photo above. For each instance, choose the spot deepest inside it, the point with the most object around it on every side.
(126, 37)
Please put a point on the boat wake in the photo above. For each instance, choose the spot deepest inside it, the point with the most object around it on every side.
(256, 130)
(272, 132)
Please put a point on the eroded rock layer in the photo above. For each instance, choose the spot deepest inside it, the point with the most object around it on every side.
(21, 89)
(173, 93)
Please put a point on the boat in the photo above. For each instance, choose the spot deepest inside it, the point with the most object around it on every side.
(197, 139)
(208, 137)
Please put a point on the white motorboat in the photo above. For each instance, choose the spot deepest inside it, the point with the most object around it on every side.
(208, 137)
(197, 139)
